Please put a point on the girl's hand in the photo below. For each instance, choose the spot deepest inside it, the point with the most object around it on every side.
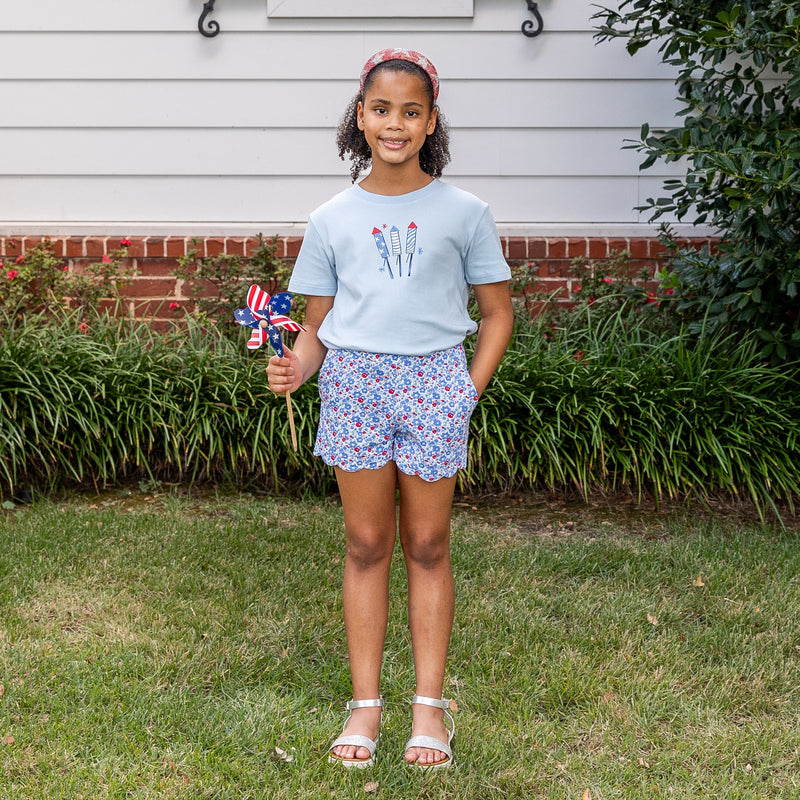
(284, 374)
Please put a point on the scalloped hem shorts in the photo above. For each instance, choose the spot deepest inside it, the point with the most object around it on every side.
(413, 410)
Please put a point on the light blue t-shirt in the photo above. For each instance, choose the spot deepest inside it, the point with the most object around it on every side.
(399, 267)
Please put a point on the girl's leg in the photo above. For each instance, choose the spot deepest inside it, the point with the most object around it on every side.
(425, 537)
(370, 521)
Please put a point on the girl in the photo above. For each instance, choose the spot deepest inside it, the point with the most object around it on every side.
(386, 267)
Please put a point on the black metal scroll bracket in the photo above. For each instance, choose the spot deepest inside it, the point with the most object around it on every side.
(528, 27)
(211, 29)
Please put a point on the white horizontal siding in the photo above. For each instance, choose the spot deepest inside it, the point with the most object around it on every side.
(310, 152)
(314, 55)
(123, 114)
(525, 104)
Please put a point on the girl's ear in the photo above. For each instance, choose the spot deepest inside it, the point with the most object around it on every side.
(360, 115)
(433, 119)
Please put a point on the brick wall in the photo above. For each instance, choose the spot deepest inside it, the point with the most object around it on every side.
(155, 287)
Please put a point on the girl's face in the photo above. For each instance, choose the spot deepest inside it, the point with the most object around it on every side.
(396, 118)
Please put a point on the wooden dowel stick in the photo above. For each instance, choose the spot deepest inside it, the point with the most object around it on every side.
(291, 420)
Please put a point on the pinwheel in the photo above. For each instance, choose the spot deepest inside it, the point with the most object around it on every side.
(266, 314)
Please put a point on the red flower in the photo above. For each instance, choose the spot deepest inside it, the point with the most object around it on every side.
(608, 280)
(11, 274)
(174, 306)
(577, 287)
(106, 260)
(579, 356)
(83, 327)
(125, 242)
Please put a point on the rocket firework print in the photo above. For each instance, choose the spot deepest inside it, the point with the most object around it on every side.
(266, 315)
(393, 252)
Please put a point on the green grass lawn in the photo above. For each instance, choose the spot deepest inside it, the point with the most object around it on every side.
(164, 647)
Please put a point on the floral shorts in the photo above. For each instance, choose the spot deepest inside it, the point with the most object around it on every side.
(413, 410)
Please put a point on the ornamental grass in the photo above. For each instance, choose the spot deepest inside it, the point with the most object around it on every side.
(603, 402)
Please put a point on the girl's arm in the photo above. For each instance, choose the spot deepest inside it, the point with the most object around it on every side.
(288, 373)
(494, 331)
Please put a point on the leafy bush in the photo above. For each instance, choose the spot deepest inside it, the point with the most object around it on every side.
(607, 286)
(738, 78)
(40, 281)
(219, 283)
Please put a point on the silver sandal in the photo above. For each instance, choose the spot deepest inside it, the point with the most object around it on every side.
(355, 740)
(429, 742)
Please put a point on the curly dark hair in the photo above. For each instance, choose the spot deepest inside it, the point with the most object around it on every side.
(435, 153)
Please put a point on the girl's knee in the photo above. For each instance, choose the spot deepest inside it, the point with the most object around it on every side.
(367, 552)
(427, 550)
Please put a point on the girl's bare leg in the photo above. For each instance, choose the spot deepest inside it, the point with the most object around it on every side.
(425, 537)
(370, 520)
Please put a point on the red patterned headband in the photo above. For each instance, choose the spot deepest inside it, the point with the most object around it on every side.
(402, 55)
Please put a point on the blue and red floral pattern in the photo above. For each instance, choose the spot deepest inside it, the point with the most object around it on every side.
(413, 410)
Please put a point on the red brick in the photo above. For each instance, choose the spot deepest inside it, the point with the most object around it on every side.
(135, 249)
(215, 247)
(598, 248)
(154, 247)
(557, 248)
(59, 246)
(198, 289)
(617, 246)
(250, 246)
(537, 248)
(197, 246)
(157, 267)
(176, 247)
(516, 247)
(292, 246)
(552, 287)
(95, 247)
(639, 248)
(29, 242)
(149, 287)
(577, 248)
(557, 268)
(234, 247)
(657, 249)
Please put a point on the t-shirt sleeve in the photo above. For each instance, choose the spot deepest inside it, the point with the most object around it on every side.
(484, 262)
(314, 271)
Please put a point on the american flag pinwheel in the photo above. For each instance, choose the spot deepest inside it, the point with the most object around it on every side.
(266, 315)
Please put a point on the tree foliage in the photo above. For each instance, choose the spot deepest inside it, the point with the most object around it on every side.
(738, 80)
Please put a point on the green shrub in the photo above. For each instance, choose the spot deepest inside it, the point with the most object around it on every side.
(218, 284)
(40, 281)
(738, 79)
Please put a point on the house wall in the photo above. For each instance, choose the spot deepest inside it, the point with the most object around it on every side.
(120, 119)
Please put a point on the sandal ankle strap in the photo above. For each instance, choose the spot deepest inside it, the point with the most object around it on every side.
(353, 704)
(430, 701)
